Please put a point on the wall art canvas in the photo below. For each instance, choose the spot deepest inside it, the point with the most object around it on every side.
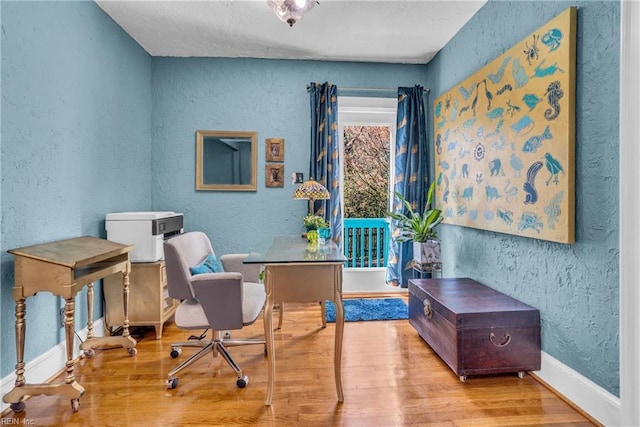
(505, 139)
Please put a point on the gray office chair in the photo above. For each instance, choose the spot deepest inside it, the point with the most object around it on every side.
(220, 301)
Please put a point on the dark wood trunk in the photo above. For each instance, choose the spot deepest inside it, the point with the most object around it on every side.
(473, 328)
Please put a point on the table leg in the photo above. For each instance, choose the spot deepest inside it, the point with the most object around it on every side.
(125, 341)
(70, 388)
(280, 314)
(69, 323)
(90, 311)
(339, 331)
(268, 332)
(125, 301)
(323, 313)
(20, 333)
(15, 396)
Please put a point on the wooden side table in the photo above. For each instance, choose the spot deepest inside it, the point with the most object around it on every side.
(64, 268)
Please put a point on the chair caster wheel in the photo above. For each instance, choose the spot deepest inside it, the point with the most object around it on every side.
(175, 352)
(227, 335)
(242, 382)
(18, 407)
(172, 383)
(521, 374)
(75, 404)
(132, 351)
(89, 353)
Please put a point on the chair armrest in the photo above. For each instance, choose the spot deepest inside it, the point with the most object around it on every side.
(220, 295)
(233, 262)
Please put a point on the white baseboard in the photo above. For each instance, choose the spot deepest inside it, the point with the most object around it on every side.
(584, 393)
(44, 367)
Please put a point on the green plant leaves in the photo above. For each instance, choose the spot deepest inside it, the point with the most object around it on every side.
(415, 226)
(314, 222)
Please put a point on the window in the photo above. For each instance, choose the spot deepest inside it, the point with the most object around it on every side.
(367, 130)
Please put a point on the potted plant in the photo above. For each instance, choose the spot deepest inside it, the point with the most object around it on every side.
(419, 227)
(313, 223)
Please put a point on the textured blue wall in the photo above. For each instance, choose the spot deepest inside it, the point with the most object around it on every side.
(76, 141)
(574, 286)
(267, 96)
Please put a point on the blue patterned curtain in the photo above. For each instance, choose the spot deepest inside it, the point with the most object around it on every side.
(324, 162)
(411, 175)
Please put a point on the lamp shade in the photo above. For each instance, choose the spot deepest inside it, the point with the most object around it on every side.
(291, 11)
(311, 190)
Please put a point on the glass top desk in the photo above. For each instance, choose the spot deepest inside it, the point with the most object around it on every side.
(297, 271)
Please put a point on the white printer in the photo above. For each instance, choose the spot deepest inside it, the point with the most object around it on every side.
(146, 230)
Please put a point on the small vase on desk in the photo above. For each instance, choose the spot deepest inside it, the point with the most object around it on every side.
(324, 235)
(312, 236)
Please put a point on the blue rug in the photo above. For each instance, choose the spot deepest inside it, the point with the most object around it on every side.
(358, 309)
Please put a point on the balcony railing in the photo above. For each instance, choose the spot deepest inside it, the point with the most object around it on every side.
(366, 242)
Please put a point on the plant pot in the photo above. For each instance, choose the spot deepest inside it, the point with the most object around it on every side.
(427, 252)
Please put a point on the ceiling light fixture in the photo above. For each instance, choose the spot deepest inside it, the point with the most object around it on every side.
(291, 11)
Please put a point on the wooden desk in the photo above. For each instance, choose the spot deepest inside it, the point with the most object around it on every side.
(64, 268)
(298, 272)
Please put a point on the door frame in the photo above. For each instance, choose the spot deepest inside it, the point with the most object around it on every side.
(629, 212)
(368, 111)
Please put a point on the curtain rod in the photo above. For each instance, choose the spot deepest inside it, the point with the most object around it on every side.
(368, 89)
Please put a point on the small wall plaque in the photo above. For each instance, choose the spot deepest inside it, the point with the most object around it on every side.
(274, 149)
(274, 175)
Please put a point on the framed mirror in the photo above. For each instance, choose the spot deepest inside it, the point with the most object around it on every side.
(226, 160)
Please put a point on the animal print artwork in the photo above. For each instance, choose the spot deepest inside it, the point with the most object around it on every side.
(554, 94)
(504, 139)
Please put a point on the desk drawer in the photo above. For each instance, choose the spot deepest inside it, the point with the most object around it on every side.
(303, 282)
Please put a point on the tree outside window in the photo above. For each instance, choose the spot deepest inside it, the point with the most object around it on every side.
(366, 171)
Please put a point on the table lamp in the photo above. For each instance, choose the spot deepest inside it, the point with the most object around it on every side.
(311, 190)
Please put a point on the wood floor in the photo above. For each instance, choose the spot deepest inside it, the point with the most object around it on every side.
(390, 378)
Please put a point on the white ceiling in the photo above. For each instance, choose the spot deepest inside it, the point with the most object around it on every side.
(394, 31)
